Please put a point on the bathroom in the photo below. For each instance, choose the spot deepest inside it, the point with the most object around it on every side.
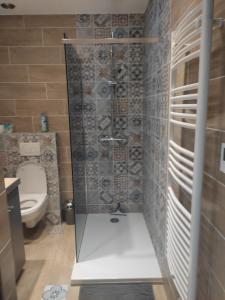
(95, 149)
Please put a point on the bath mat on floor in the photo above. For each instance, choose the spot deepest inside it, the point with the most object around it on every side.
(140, 291)
(55, 292)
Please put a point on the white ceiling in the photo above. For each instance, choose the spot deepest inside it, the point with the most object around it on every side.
(74, 7)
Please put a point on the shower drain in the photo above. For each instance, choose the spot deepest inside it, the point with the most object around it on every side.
(114, 220)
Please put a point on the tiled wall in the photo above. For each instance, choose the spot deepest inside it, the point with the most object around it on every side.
(33, 80)
(11, 160)
(97, 110)
(156, 85)
(212, 246)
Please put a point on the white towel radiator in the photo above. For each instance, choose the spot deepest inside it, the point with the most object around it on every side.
(191, 41)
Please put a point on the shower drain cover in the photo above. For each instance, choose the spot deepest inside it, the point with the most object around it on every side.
(114, 220)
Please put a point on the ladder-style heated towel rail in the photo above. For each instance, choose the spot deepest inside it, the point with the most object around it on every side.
(191, 43)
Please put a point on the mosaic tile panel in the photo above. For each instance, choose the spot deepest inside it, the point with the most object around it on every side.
(106, 100)
(10, 152)
(156, 84)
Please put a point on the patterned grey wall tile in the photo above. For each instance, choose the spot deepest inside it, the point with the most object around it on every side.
(121, 183)
(120, 153)
(84, 20)
(136, 20)
(104, 32)
(85, 33)
(88, 72)
(120, 72)
(106, 182)
(120, 167)
(120, 123)
(136, 153)
(103, 54)
(106, 197)
(104, 122)
(99, 110)
(106, 167)
(92, 197)
(136, 54)
(103, 72)
(135, 168)
(120, 32)
(92, 183)
(135, 106)
(136, 32)
(122, 90)
(103, 90)
(120, 20)
(120, 107)
(85, 54)
(136, 90)
(120, 54)
(136, 72)
(103, 20)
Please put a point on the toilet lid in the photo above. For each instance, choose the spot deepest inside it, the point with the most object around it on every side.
(32, 179)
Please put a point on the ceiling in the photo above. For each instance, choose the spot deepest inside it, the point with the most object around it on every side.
(36, 7)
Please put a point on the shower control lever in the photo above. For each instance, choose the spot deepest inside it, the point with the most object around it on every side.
(111, 139)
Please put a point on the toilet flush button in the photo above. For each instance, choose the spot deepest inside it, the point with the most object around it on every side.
(30, 149)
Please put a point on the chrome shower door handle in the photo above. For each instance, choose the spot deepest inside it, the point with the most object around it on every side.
(111, 139)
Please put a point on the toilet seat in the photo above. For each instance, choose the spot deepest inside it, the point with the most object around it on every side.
(32, 192)
(30, 203)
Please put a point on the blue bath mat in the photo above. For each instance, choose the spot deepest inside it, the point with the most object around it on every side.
(140, 291)
(55, 292)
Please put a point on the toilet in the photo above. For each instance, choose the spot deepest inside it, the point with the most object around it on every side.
(32, 192)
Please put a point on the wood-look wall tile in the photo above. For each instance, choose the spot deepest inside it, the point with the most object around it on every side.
(55, 123)
(49, 20)
(217, 63)
(11, 73)
(66, 183)
(35, 107)
(22, 91)
(66, 196)
(7, 108)
(63, 139)
(179, 8)
(35, 55)
(65, 169)
(4, 56)
(216, 104)
(43, 73)
(63, 156)
(20, 124)
(212, 247)
(57, 90)
(20, 37)
(11, 21)
(216, 291)
(212, 152)
(213, 204)
(53, 36)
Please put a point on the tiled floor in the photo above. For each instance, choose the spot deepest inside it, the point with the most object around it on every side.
(50, 261)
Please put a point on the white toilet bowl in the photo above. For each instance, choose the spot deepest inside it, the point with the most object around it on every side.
(32, 192)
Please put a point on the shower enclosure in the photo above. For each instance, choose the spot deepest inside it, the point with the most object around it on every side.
(105, 88)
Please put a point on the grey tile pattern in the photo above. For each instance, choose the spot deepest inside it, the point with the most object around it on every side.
(156, 83)
(99, 110)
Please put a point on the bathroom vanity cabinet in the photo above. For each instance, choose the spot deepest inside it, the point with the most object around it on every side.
(7, 266)
(15, 224)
